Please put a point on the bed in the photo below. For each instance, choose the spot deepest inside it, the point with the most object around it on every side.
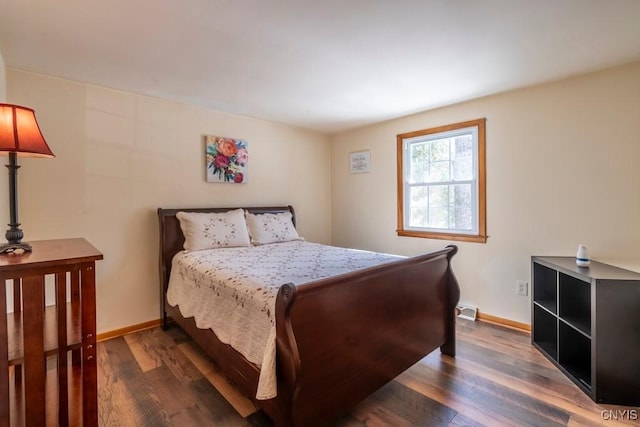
(337, 339)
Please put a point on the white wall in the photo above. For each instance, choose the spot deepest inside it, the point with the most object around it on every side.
(120, 156)
(3, 80)
(563, 167)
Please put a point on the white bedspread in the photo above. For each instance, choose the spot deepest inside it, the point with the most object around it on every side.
(233, 291)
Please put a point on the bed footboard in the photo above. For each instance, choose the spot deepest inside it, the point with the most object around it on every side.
(342, 338)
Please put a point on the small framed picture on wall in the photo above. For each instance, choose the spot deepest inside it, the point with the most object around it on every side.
(360, 161)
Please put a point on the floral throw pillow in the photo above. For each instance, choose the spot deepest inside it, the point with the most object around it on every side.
(271, 228)
(213, 230)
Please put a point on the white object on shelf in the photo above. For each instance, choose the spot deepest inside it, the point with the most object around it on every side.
(582, 256)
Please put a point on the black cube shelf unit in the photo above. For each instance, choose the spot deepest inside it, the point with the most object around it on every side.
(586, 320)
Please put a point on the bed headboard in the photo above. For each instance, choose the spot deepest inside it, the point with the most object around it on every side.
(171, 238)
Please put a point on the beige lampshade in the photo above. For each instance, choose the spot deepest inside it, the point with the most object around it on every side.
(20, 134)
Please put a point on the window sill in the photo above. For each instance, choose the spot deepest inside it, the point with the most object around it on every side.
(444, 236)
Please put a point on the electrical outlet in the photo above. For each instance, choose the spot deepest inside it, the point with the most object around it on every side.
(522, 288)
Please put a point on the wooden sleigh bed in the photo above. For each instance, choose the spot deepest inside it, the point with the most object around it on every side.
(338, 339)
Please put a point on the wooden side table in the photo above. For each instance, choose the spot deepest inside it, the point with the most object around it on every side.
(33, 332)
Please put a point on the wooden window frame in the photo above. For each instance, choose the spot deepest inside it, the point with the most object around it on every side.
(481, 235)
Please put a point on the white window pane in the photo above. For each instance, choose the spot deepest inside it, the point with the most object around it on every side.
(420, 149)
(419, 172)
(439, 206)
(419, 163)
(462, 194)
(440, 171)
(442, 207)
(462, 169)
(463, 146)
(439, 196)
(439, 218)
(419, 217)
(439, 149)
(419, 152)
(462, 217)
(418, 197)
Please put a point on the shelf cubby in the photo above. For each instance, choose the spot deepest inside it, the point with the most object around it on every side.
(545, 287)
(546, 331)
(574, 353)
(575, 302)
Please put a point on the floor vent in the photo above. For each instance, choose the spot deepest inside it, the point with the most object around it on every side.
(467, 312)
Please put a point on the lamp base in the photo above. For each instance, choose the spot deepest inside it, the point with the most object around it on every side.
(8, 248)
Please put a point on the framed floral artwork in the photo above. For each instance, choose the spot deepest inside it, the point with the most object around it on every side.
(227, 159)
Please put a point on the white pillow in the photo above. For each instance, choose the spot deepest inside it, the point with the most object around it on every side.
(271, 228)
(213, 230)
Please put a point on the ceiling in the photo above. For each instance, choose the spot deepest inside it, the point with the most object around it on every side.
(327, 65)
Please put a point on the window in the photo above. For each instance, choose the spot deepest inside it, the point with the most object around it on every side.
(441, 182)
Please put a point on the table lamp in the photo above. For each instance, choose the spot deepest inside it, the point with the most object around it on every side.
(19, 136)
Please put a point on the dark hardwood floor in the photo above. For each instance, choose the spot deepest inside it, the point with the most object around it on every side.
(160, 378)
